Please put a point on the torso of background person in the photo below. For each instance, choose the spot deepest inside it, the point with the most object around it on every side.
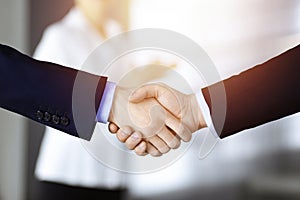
(63, 158)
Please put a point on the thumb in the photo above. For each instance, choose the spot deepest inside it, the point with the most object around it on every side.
(143, 92)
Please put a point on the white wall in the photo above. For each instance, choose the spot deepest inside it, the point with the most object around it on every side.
(13, 32)
(236, 35)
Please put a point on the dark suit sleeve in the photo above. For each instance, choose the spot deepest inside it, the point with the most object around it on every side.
(259, 95)
(44, 92)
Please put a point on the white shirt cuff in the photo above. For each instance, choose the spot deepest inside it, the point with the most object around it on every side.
(106, 102)
(206, 113)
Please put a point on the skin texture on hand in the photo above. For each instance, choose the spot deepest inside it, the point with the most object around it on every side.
(148, 119)
(183, 107)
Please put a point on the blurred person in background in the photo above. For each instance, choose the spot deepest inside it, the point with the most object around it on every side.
(64, 168)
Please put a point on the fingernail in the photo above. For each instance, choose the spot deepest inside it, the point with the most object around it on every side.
(124, 133)
(141, 146)
(135, 136)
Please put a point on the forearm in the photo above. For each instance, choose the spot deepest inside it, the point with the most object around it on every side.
(44, 92)
(259, 95)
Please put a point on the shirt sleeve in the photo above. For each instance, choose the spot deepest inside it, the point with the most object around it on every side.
(106, 103)
(206, 113)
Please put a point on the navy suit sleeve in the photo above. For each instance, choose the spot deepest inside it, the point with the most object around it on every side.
(259, 95)
(44, 92)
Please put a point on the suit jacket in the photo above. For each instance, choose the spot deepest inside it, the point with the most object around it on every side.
(43, 92)
(259, 95)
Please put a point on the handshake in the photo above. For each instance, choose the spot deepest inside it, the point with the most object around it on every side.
(154, 118)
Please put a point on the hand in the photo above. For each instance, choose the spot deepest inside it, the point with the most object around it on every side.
(156, 125)
(133, 140)
(185, 107)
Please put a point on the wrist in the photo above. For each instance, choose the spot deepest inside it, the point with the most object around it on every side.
(205, 112)
(197, 112)
(119, 102)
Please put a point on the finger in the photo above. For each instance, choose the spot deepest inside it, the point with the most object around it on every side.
(164, 95)
(141, 149)
(152, 150)
(146, 91)
(159, 144)
(169, 137)
(112, 127)
(133, 140)
(123, 133)
(178, 127)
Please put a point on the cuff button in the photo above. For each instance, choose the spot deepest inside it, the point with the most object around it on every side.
(39, 115)
(64, 121)
(47, 116)
(55, 119)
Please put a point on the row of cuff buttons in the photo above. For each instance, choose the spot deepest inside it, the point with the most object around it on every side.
(47, 117)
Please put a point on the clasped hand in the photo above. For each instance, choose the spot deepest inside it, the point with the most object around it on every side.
(154, 118)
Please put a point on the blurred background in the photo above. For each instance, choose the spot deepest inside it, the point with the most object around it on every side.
(261, 163)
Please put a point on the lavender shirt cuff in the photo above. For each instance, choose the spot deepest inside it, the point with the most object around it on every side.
(106, 103)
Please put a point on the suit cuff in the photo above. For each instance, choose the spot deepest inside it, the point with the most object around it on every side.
(206, 113)
(106, 102)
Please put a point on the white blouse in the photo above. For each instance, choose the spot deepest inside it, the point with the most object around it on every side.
(62, 158)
